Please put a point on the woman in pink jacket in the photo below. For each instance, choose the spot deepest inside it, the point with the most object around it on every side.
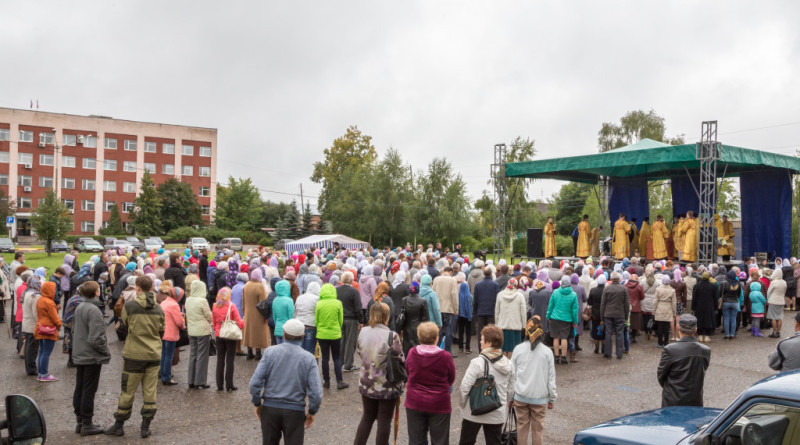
(226, 349)
(173, 324)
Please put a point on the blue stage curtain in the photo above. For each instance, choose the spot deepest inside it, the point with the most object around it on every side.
(628, 196)
(766, 212)
(684, 196)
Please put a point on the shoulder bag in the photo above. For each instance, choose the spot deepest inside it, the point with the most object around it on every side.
(45, 330)
(400, 323)
(263, 308)
(395, 369)
(229, 329)
(483, 397)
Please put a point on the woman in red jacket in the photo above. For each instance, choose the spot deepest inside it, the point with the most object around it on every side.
(431, 373)
(46, 331)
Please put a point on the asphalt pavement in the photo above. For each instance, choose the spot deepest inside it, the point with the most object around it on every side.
(589, 392)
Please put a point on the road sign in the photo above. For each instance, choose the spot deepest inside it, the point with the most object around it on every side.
(9, 220)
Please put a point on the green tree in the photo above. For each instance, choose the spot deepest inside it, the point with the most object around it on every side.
(272, 212)
(307, 225)
(354, 149)
(390, 200)
(728, 202)
(633, 127)
(442, 209)
(114, 226)
(7, 207)
(290, 226)
(147, 209)
(567, 206)
(51, 220)
(179, 206)
(238, 205)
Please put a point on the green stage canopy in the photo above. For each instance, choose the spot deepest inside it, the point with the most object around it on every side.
(650, 159)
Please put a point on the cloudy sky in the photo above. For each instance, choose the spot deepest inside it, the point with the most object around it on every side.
(281, 80)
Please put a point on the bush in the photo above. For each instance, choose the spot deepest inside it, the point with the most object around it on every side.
(469, 244)
(564, 246)
(214, 234)
(181, 234)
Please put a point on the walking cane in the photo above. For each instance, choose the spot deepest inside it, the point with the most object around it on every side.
(396, 419)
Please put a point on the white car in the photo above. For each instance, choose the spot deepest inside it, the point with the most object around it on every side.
(198, 244)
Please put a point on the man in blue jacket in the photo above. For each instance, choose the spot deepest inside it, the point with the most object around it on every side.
(484, 300)
(286, 374)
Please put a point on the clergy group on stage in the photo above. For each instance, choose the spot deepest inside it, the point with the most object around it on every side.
(654, 242)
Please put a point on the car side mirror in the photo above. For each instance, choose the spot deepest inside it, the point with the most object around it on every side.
(24, 420)
(705, 439)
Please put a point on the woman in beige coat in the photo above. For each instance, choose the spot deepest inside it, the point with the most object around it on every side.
(665, 309)
(256, 331)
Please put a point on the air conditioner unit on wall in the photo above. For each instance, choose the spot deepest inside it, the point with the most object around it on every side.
(72, 211)
(28, 166)
(42, 145)
(27, 189)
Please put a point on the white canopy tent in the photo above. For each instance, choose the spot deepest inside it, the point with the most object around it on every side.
(325, 241)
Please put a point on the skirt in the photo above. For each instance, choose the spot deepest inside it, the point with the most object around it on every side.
(511, 338)
(560, 329)
(636, 321)
(775, 312)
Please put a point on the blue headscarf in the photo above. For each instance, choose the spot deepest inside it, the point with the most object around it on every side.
(86, 269)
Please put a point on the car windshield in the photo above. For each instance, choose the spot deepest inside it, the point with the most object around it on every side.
(91, 242)
(6, 242)
(199, 240)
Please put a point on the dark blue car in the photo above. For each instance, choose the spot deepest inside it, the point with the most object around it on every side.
(767, 413)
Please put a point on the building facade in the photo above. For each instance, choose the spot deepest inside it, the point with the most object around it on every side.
(96, 161)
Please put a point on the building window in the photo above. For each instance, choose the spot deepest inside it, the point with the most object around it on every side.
(187, 170)
(168, 169)
(46, 160)
(4, 157)
(46, 181)
(168, 149)
(129, 187)
(87, 184)
(90, 141)
(187, 150)
(5, 134)
(70, 203)
(206, 210)
(70, 140)
(204, 191)
(24, 181)
(107, 205)
(110, 143)
(150, 167)
(67, 183)
(129, 166)
(205, 171)
(68, 161)
(109, 186)
(47, 138)
(87, 205)
(130, 145)
(3, 179)
(23, 203)
(25, 159)
(87, 226)
(127, 207)
(110, 165)
(89, 163)
(205, 152)
(25, 136)
(150, 147)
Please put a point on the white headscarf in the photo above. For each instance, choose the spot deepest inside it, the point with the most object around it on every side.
(399, 278)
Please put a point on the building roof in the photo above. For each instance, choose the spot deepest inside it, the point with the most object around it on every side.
(100, 117)
(649, 158)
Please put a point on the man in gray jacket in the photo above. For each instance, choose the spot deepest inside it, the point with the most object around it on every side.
(786, 355)
(614, 308)
(90, 353)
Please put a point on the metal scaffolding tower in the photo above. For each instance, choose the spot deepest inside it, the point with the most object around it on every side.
(707, 153)
(602, 204)
(499, 199)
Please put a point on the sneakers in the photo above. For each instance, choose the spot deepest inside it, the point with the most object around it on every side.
(48, 378)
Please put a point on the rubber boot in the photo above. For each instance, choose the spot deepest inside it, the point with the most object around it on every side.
(80, 424)
(90, 429)
(146, 428)
(757, 331)
(116, 429)
(597, 348)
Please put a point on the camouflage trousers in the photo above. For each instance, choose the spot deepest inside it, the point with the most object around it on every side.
(135, 373)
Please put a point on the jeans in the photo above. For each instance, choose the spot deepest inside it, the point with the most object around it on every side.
(277, 422)
(278, 339)
(310, 339)
(464, 334)
(43, 359)
(448, 325)
(167, 352)
(328, 348)
(613, 327)
(87, 377)
(626, 332)
(375, 409)
(729, 312)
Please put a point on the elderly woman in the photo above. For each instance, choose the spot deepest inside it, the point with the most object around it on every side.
(256, 329)
(464, 314)
(510, 316)
(665, 309)
(776, 298)
(376, 345)
(595, 300)
(225, 310)
(198, 322)
(416, 311)
(46, 330)
(173, 324)
(562, 312)
(704, 305)
(732, 300)
(431, 373)
(583, 296)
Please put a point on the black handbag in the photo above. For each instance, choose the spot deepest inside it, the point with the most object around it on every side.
(263, 308)
(483, 397)
(509, 435)
(395, 369)
(400, 323)
(212, 347)
(183, 338)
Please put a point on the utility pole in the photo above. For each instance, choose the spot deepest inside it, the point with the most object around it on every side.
(301, 197)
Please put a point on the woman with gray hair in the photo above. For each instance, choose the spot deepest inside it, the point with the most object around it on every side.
(562, 311)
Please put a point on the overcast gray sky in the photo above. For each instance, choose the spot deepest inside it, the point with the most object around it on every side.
(281, 80)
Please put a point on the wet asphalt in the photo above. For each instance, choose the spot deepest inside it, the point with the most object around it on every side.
(589, 392)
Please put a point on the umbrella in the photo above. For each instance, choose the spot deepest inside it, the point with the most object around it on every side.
(396, 419)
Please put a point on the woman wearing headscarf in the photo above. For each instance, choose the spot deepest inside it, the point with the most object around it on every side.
(538, 301)
(30, 298)
(198, 322)
(427, 293)
(664, 310)
(680, 298)
(791, 285)
(563, 315)
(415, 311)
(510, 315)
(367, 287)
(582, 295)
(649, 285)
(256, 334)
(534, 383)
(636, 294)
(704, 305)
(464, 314)
(398, 289)
(46, 318)
(174, 322)
(732, 300)
(776, 298)
(224, 310)
(595, 300)
(381, 295)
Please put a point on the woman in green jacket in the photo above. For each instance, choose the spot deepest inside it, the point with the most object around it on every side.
(329, 317)
(562, 311)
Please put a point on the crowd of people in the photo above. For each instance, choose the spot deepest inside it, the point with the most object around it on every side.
(404, 313)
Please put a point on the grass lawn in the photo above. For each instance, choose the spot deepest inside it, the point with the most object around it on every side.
(34, 260)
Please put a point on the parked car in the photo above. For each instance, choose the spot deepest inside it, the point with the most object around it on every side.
(198, 244)
(59, 246)
(157, 239)
(7, 245)
(766, 413)
(86, 244)
(135, 242)
(108, 242)
(234, 244)
(150, 244)
(281, 244)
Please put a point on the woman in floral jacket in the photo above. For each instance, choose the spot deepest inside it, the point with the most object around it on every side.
(378, 396)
